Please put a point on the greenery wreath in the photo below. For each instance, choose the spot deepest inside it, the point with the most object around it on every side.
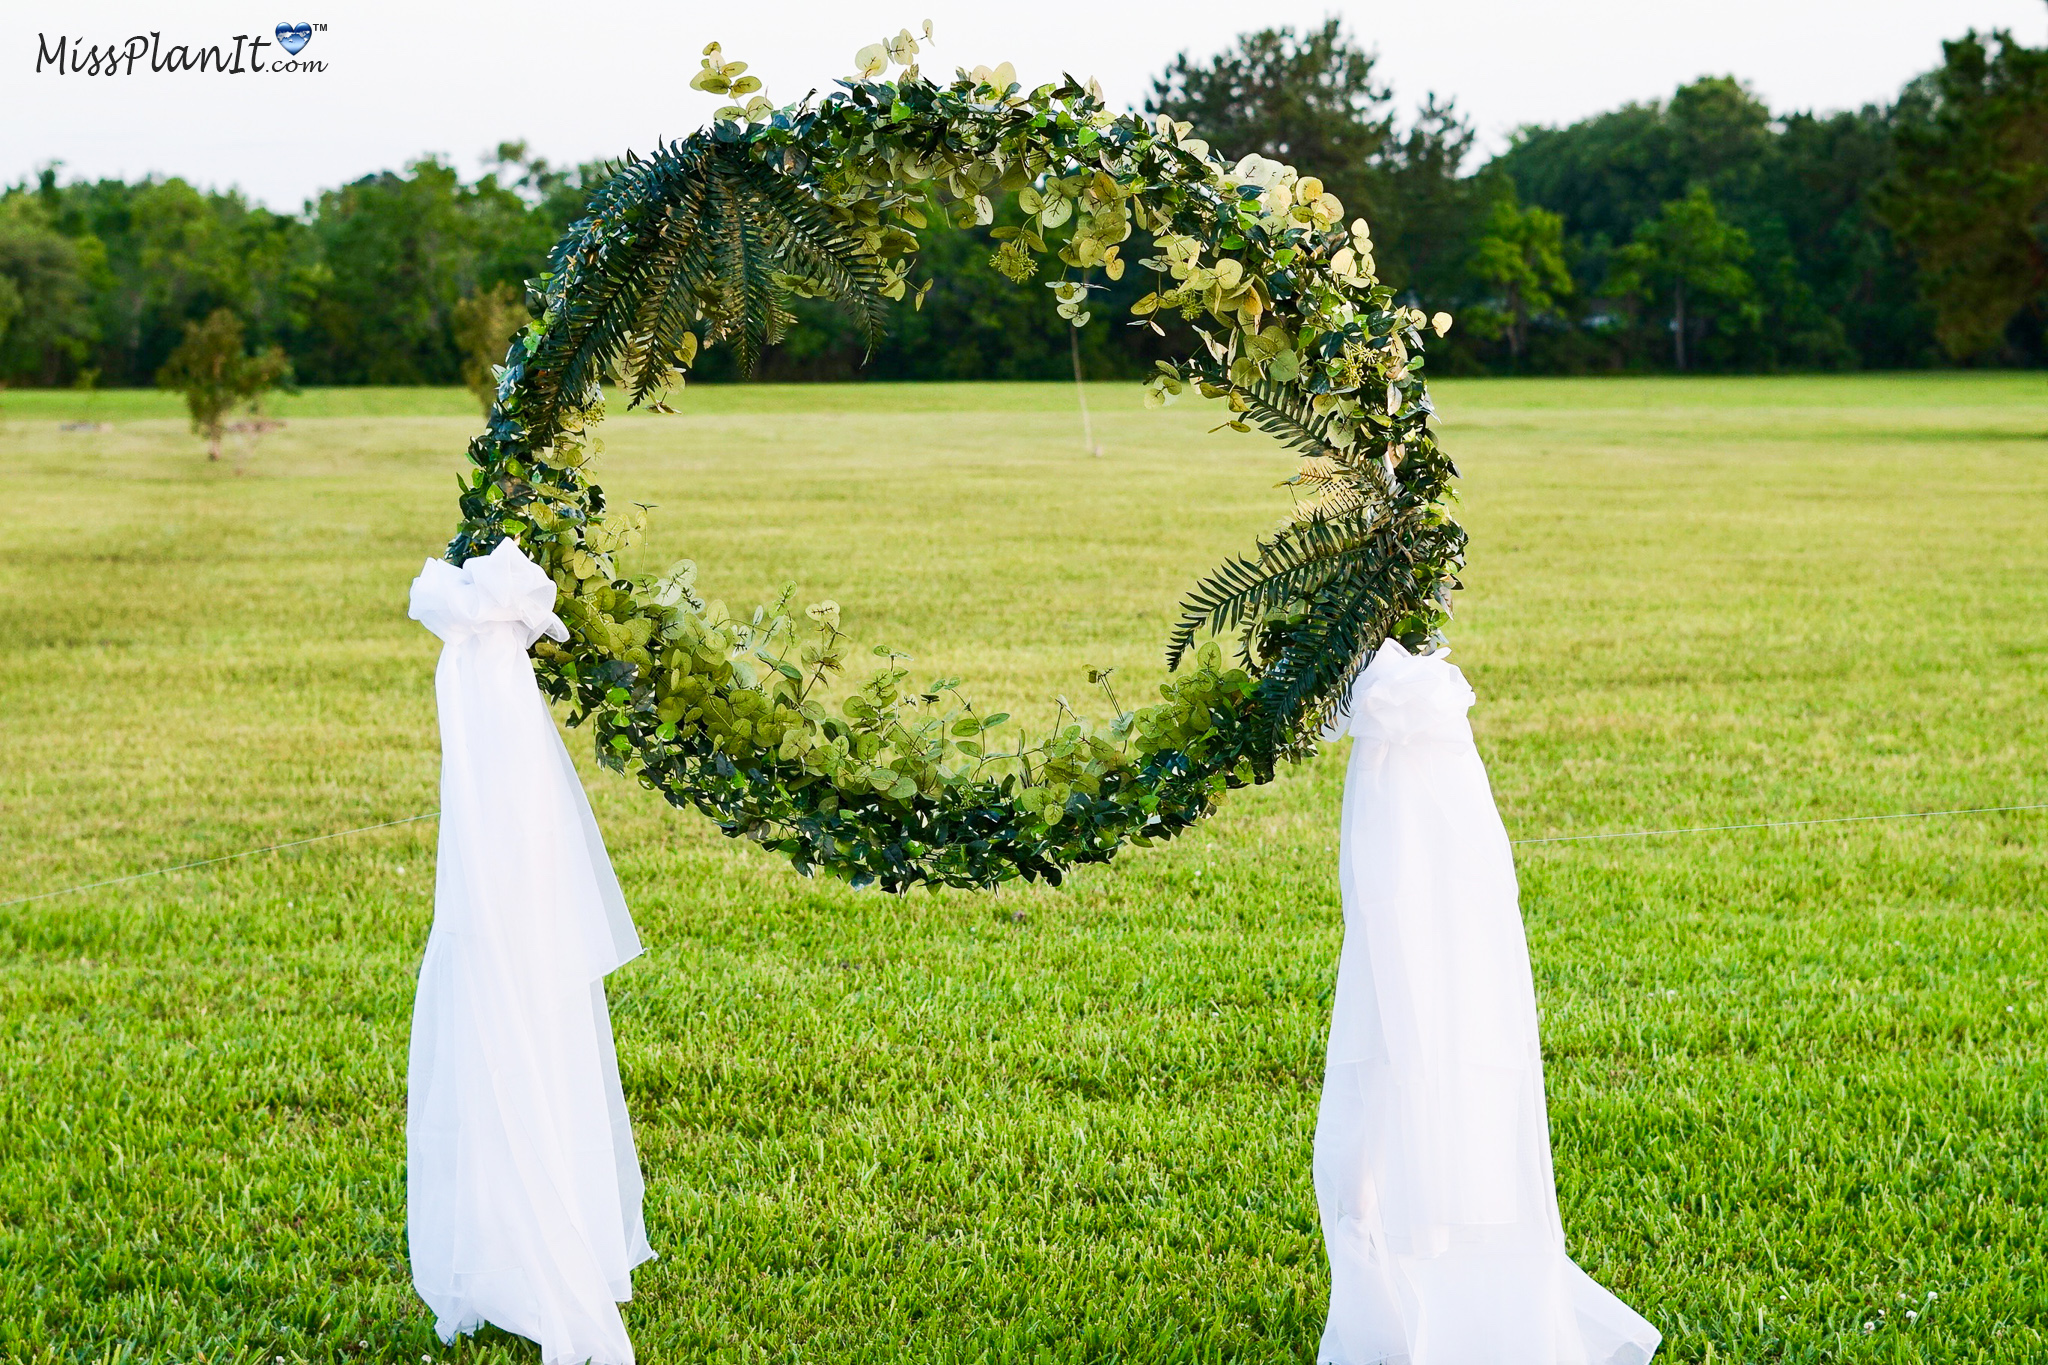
(706, 240)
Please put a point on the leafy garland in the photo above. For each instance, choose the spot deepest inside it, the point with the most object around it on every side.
(705, 241)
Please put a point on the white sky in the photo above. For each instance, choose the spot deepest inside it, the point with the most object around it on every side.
(580, 81)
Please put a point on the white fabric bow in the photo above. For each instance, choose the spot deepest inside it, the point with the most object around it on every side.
(502, 586)
(1404, 698)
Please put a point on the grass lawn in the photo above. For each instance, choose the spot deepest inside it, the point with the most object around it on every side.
(1797, 1077)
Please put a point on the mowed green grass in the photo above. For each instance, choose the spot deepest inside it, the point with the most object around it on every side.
(1796, 1076)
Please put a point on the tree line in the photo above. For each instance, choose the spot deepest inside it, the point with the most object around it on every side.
(1702, 232)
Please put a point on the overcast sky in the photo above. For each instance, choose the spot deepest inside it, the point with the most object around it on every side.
(580, 81)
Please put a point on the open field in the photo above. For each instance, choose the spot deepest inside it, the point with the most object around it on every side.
(1797, 1076)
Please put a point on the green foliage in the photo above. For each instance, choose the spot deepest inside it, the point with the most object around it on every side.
(484, 324)
(1832, 286)
(43, 297)
(157, 255)
(1690, 259)
(1520, 253)
(1309, 99)
(10, 306)
(399, 251)
(1970, 192)
(704, 244)
(966, 321)
(1615, 170)
(363, 288)
(217, 375)
(1837, 288)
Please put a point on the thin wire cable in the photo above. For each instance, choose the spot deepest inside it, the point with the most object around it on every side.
(224, 858)
(1776, 824)
(1553, 839)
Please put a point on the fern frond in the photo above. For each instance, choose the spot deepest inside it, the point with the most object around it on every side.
(1397, 575)
(1284, 412)
(1318, 471)
(604, 268)
(690, 237)
(808, 237)
(753, 302)
(683, 263)
(1334, 499)
(1293, 564)
(727, 234)
(1228, 588)
(1348, 617)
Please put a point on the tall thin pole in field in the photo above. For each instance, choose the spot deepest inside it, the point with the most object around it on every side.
(1081, 392)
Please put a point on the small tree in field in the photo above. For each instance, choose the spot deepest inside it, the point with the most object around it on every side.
(484, 324)
(217, 376)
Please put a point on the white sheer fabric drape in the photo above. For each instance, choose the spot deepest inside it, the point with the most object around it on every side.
(1432, 1151)
(522, 1184)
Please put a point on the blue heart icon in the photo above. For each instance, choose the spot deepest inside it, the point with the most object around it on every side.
(292, 37)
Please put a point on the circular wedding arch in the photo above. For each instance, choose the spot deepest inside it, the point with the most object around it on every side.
(706, 240)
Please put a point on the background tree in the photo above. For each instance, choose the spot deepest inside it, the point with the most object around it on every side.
(1608, 173)
(484, 324)
(1520, 254)
(367, 284)
(1814, 217)
(1689, 257)
(1969, 195)
(400, 251)
(165, 253)
(1429, 210)
(1832, 285)
(10, 308)
(44, 274)
(216, 375)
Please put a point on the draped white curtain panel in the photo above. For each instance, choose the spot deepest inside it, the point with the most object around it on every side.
(522, 1184)
(1432, 1149)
